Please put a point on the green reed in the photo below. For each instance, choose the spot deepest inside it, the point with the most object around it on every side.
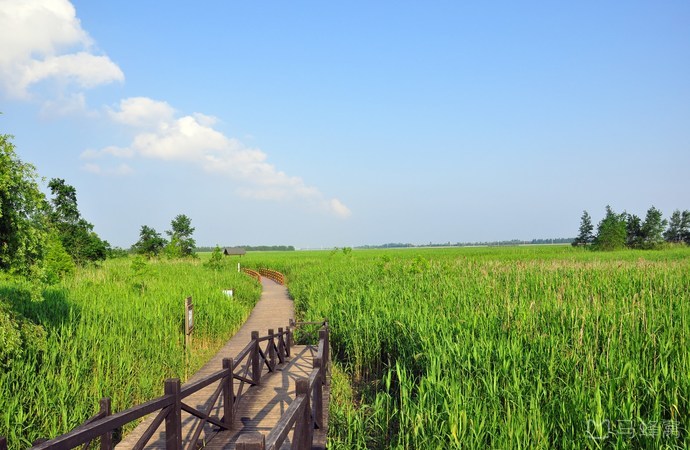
(530, 347)
(113, 331)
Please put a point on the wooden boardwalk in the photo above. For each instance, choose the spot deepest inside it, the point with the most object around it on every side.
(262, 405)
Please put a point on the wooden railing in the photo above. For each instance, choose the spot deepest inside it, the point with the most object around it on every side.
(252, 273)
(246, 367)
(273, 275)
(305, 413)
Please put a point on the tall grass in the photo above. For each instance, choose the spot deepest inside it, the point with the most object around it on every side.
(536, 347)
(113, 331)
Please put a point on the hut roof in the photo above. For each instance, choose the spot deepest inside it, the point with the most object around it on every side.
(228, 251)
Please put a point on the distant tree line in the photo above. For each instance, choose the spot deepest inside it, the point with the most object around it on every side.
(540, 241)
(254, 248)
(616, 231)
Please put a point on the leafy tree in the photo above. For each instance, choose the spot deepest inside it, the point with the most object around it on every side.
(58, 263)
(172, 249)
(150, 242)
(634, 237)
(585, 237)
(653, 228)
(23, 211)
(181, 235)
(76, 234)
(685, 226)
(65, 210)
(611, 231)
(216, 260)
(678, 227)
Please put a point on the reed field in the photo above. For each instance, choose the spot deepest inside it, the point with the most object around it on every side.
(115, 331)
(513, 348)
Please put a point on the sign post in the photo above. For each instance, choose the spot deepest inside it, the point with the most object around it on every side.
(188, 328)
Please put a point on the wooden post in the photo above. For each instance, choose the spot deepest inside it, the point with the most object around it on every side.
(288, 340)
(251, 441)
(323, 334)
(271, 349)
(228, 394)
(304, 427)
(173, 421)
(256, 364)
(318, 393)
(107, 438)
(281, 345)
(3, 443)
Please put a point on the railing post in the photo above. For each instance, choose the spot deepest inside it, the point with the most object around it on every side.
(3, 443)
(228, 394)
(318, 393)
(281, 345)
(251, 441)
(107, 438)
(256, 364)
(271, 349)
(292, 326)
(304, 427)
(173, 421)
(288, 339)
(323, 334)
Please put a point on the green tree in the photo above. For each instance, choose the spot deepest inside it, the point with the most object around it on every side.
(611, 231)
(585, 236)
(633, 230)
(58, 263)
(181, 235)
(23, 213)
(76, 234)
(216, 260)
(685, 226)
(678, 227)
(653, 228)
(150, 242)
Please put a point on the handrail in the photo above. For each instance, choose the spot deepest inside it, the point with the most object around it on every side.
(273, 275)
(170, 405)
(303, 415)
(252, 273)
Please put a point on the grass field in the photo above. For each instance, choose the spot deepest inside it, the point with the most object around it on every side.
(114, 331)
(523, 347)
(529, 347)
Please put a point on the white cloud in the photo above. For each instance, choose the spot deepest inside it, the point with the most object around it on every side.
(142, 112)
(339, 208)
(192, 139)
(43, 40)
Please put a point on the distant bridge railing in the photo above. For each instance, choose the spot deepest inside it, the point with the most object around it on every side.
(273, 275)
(246, 367)
(252, 273)
(268, 273)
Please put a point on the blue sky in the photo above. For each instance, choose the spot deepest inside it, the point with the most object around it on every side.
(332, 124)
